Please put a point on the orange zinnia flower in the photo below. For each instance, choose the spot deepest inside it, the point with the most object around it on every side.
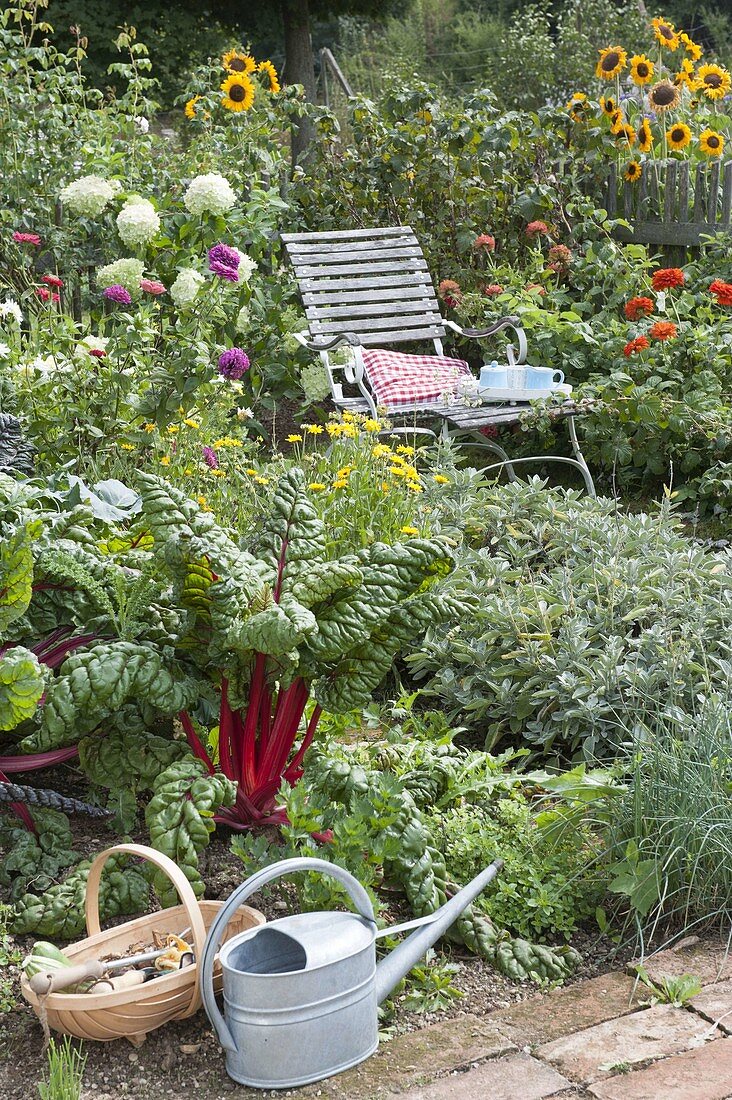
(667, 277)
(638, 307)
(722, 292)
(633, 346)
(663, 330)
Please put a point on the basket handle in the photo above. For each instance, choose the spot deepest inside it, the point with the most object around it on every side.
(185, 893)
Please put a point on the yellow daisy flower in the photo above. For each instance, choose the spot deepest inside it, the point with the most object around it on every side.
(714, 81)
(173, 429)
(192, 424)
(204, 503)
(641, 69)
(441, 479)
(405, 450)
(316, 486)
(415, 487)
(252, 472)
(236, 62)
(238, 93)
(127, 446)
(165, 460)
(612, 61)
(314, 429)
(678, 136)
(409, 531)
(148, 427)
(665, 33)
(262, 480)
(382, 451)
(371, 425)
(711, 143)
(341, 483)
(294, 438)
(268, 68)
(217, 473)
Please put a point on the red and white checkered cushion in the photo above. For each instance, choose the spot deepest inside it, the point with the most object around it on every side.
(398, 379)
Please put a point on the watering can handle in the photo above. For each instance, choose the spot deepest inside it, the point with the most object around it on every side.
(276, 870)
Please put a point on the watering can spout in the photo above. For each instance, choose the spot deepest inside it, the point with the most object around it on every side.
(400, 961)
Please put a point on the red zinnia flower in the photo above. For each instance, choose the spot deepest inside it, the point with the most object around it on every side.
(484, 243)
(450, 293)
(633, 346)
(722, 292)
(560, 256)
(97, 353)
(53, 280)
(637, 308)
(43, 293)
(663, 330)
(26, 238)
(667, 277)
(535, 229)
(493, 290)
(55, 297)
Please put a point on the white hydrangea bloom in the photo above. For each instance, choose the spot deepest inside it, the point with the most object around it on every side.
(247, 267)
(46, 366)
(243, 319)
(9, 308)
(315, 382)
(186, 286)
(141, 124)
(88, 196)
(137, 222)
(126, 272)
(209, 194)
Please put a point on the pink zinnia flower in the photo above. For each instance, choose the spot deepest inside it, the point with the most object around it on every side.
(535, 229)
(493, 290)
(450, 293)
(97, 353)
(53, 280)
(484, 243)
(26, 238)
(117, 293)
(43, 293)
(152, 286)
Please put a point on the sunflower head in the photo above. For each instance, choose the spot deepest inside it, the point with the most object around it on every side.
(645, 136)
(641, 69)
(190, 107)
(694, 51)
(685, 78)
(665, 33)
(238, 93)
(611, 62)
(625, 133)
(236, 62)
(609, 106)
(711, 143)
(633, 171)
(270, 72)
(678, 136)
(663, 96)
(616, 121)
(714, 81)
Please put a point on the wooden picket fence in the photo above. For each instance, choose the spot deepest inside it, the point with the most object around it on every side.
(671, 207)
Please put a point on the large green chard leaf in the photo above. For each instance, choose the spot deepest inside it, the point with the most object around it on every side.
(97, 681)
(16, 573)
(276, 630)
(294, 535)
(120, 758)
(21, 686)
(180, 819)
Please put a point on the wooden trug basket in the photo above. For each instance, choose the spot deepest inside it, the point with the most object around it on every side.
(132, 1013)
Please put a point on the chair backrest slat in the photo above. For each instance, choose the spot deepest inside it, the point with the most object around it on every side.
(374, 282)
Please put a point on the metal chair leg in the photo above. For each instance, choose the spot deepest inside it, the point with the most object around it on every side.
(581, 460)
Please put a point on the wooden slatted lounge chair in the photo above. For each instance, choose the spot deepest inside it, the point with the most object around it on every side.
(369, 289)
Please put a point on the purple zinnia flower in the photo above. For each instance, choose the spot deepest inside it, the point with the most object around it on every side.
(209, 457)
(225, 272)
(233, 363)
(117, 293)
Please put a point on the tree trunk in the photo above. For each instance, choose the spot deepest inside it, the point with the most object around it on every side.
(299, 67)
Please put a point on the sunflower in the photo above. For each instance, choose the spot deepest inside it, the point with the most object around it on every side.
(238, 93)
(268, 68)
(664, 96)
(714, 81)
(678, 136)
(694, 51)
(190, 107)
(685, 78)
(665, 33)
(711, 143)
(633, 172)
(626, 133)
(641, 69)
(645, 136)
(576, 105)
(616, 121)
(612, 61)
(235, 62)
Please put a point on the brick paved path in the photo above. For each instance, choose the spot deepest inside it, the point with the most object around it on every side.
(596, 1039)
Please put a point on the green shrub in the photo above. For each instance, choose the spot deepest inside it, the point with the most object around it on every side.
(587, 620)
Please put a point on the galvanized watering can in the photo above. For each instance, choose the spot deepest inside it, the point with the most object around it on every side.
(300, 993)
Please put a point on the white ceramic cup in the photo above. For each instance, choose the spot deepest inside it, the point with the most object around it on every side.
(543, 378)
